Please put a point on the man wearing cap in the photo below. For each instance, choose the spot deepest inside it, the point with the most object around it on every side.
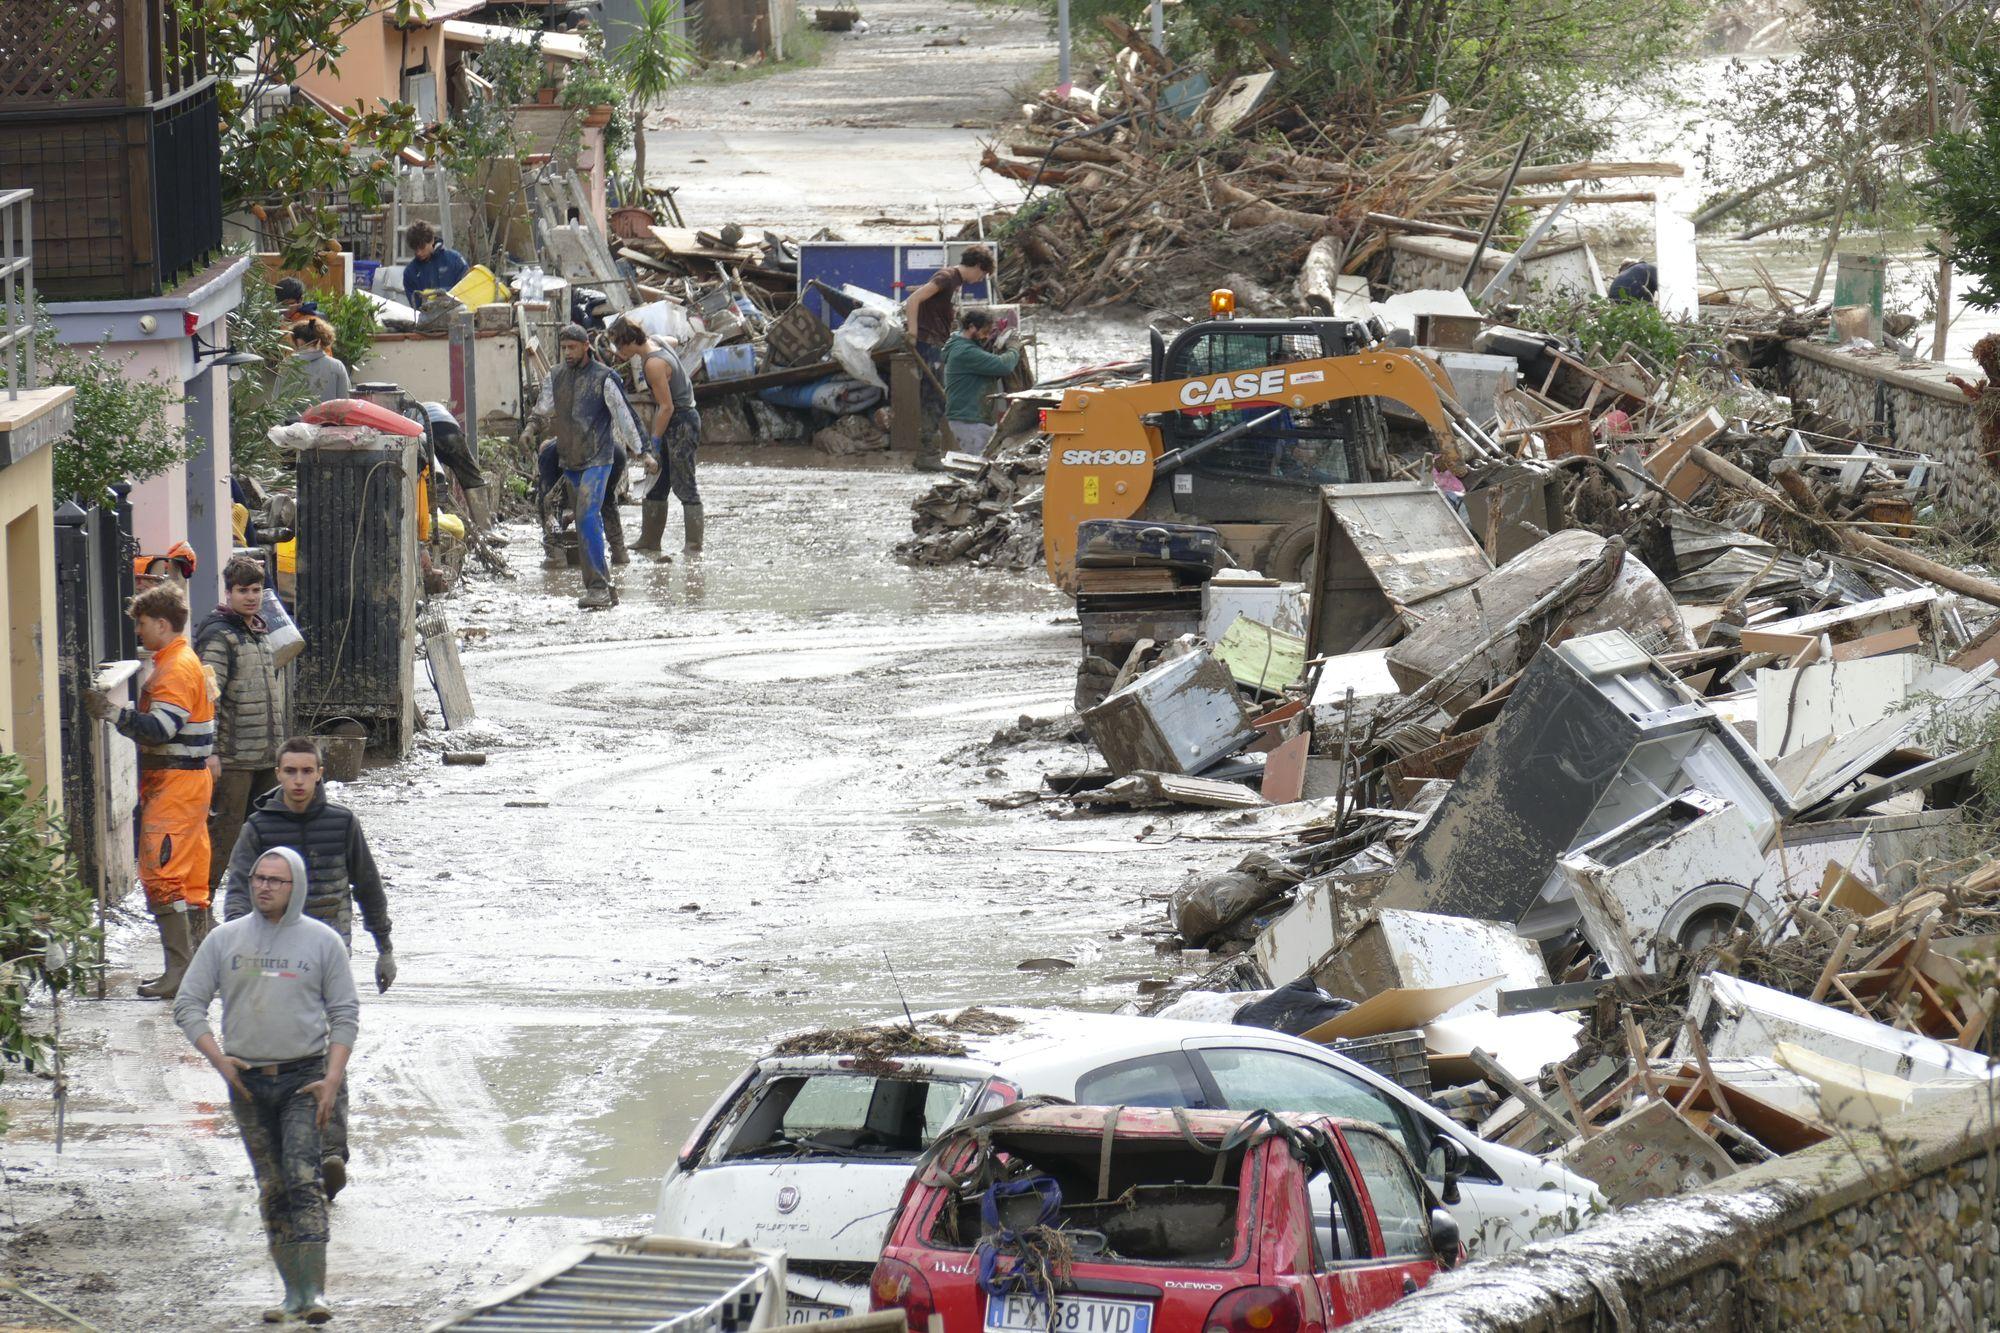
(584, 403)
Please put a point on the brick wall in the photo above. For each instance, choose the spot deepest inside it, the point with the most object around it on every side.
(1893, 1231)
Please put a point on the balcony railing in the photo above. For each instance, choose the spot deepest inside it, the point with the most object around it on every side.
(17, 291)
(95, 54)
(108, 113)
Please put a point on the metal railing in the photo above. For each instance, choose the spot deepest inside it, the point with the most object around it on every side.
(17, 291)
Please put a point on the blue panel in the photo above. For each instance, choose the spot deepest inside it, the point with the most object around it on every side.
(891, 269)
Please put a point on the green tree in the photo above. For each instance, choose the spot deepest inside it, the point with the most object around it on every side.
(284, 157)
(1963, 192)
(48, 932)
(123, 428)
(653, 59)
(1839, 129)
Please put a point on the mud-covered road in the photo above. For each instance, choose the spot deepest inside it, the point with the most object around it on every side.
(721, 810)
(724, 809)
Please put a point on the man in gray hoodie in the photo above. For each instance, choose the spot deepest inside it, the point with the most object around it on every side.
(289, 1019)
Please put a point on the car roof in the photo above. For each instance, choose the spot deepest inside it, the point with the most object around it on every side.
(1146, 1121)
(1013, 1040)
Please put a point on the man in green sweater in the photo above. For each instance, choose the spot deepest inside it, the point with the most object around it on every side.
(970, 374)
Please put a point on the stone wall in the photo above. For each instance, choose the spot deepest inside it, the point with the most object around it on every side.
(1908, 404)
(1893, 1231)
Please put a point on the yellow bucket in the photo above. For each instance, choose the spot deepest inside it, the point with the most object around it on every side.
(479, 287)
(288, 556)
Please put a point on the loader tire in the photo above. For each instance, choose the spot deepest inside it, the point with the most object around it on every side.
(1292, 553)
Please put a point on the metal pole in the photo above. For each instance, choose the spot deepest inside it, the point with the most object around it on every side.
(1493, 219)
(1159, 26)
(1062, 44)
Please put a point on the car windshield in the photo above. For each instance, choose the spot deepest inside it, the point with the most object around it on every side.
(838, 1113)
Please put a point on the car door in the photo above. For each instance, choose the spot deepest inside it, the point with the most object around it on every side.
(1238, 1075)
(1352, 1273)
(1401, 1211)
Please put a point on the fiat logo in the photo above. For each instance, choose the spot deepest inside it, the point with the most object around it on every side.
(788, 1198)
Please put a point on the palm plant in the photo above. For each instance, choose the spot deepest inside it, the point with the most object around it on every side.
(653, 58)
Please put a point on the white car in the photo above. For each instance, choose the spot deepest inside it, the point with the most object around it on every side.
(810, 1152)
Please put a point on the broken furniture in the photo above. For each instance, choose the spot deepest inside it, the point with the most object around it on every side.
(1181, 717)
(1595, 733)
(1384, 548)
(1675, 878)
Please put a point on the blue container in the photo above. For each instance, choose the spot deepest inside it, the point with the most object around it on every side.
(364, 273)
(891, 269)
(730, 363)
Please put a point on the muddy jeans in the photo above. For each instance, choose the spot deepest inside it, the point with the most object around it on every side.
(590, 484)
(227, 809)
(677, 456)
(278, 1124)
(931, 399)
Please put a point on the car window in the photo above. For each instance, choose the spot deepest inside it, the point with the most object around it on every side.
(837, 1114)
(1150, 1080)
(1248, 1078)
(1398, 1197)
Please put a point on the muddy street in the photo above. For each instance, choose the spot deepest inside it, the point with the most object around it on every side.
(723, 809)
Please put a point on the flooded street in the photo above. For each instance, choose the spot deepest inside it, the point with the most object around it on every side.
(722, 810)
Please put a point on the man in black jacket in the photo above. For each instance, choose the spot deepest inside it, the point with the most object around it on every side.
(340, 871)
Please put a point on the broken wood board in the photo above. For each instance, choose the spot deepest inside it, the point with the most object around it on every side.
(1397, 1010)
(1668, 463)
(454, 699)
(1144, 789)
(1651, 1152)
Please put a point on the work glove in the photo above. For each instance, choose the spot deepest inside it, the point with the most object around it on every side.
(98, 704)
(385, 968)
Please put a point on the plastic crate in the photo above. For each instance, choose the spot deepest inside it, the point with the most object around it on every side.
(1398, 1056)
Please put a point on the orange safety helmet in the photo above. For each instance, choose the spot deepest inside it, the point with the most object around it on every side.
(180, 555)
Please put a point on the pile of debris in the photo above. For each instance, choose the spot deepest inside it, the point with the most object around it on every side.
(1156, 186)
(1644, 768)
(986, 511)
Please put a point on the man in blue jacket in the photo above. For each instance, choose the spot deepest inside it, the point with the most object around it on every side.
(434, 268)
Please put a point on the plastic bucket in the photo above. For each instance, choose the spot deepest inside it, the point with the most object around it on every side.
(364, 273)
(341, 745)
(479, 287)
(730, 363)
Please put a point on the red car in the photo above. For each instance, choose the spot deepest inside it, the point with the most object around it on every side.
(1156, 1221)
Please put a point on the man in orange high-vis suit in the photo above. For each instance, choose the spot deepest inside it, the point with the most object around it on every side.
(174, 726)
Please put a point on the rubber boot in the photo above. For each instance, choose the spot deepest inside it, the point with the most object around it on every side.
(201, 920)
(929, 459)
(614, 535)
(173, 926)
(652, 527)
(691, 516)
(597, 593)
(552, 551)
(304, 1267)
(288, 1273)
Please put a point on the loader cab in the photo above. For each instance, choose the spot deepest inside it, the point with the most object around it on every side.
(1265, 474)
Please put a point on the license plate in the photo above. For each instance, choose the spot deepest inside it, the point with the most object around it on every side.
(1073, 1314)
(811, 1312)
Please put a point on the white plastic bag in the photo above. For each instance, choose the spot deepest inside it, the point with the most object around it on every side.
(279, 631)
(855, 341)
